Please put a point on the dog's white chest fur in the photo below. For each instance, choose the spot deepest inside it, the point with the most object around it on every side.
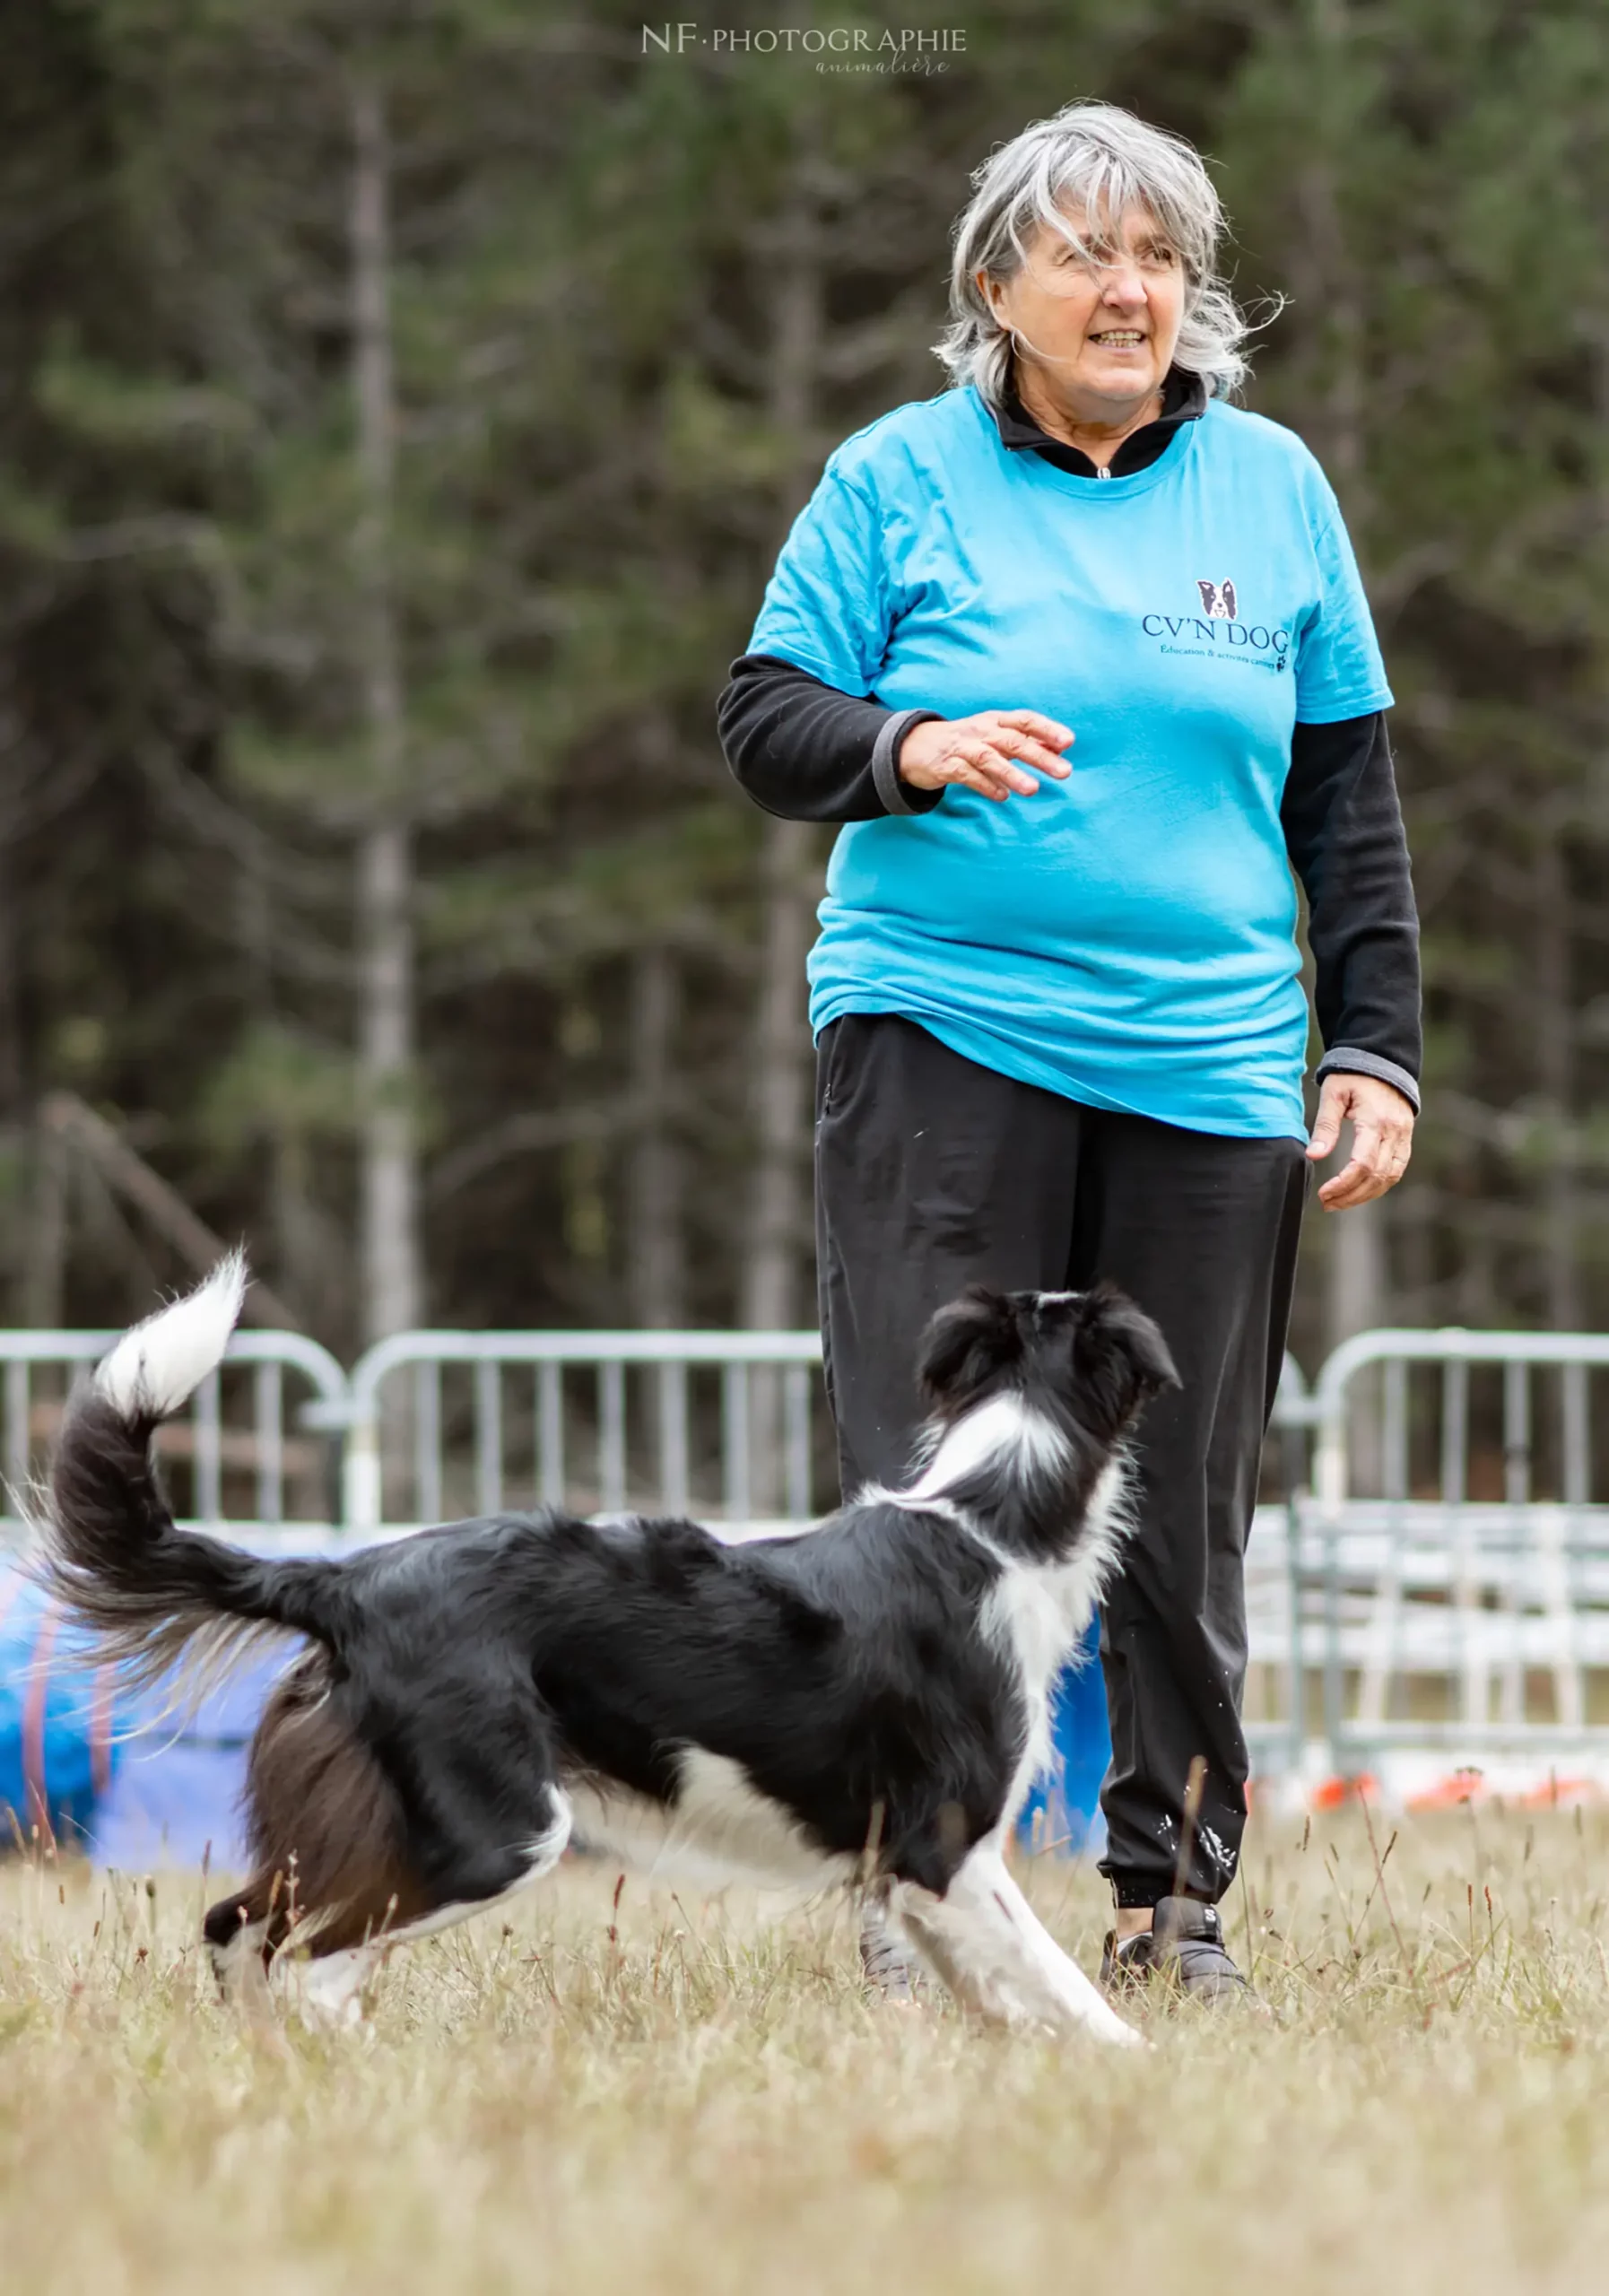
(1036, 1614)
(721, 1829)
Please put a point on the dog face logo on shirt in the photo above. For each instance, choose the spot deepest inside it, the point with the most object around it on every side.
(1217, 631)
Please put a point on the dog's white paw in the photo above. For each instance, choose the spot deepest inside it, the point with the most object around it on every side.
(327, 1992)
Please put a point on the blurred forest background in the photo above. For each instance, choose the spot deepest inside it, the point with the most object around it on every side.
(400, 408)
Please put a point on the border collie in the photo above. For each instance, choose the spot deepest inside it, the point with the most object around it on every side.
(865, 1702)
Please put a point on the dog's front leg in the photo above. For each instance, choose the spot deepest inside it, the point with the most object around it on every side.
(327, 1990)
(993, 1951)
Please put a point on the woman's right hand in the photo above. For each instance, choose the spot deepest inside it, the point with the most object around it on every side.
(986, 753)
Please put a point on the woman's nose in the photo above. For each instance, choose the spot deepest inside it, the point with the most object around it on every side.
(1124, 285)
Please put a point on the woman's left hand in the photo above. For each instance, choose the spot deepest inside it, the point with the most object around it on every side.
(1382, 1121)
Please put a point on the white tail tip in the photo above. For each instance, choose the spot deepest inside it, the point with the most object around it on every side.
(159, 1365)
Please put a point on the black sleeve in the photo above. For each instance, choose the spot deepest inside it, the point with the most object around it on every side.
(1344, 831)
(804, 750)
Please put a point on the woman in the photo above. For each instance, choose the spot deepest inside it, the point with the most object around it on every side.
(1079, 652)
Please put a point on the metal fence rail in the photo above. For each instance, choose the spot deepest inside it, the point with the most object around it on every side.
(1433, 1578)
(1443, 1587)
(1381, 1626)
(250, 1451)
(1426, 1433)
(728, 1424)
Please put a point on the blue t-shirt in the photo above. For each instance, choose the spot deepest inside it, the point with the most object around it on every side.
(1126, 937)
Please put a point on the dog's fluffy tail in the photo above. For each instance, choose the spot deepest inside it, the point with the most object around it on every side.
(110, 1551)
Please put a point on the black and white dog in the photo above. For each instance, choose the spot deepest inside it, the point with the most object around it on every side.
(863, 1703)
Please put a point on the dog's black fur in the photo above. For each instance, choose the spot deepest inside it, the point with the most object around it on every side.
(461, 1679)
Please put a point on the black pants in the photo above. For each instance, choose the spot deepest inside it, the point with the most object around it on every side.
(932, 1173)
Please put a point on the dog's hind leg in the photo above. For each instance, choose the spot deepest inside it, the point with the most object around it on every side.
(991, 1949)
(379, 1822)
(326, 1979)
(327, 1838)
(241, 1934)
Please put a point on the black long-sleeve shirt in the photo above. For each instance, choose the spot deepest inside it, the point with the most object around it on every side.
(806, 752)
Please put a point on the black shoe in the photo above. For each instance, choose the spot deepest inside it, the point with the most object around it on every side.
(1184, 1947)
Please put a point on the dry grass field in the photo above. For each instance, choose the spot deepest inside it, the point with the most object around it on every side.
(703, 2102)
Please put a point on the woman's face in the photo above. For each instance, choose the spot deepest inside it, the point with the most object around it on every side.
(1101, 331)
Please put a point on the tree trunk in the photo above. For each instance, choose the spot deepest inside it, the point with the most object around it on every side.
(392, 1285)
(659, 1274)
(1331, 295)
(44, 1244)
(1357, 1271)
(777, 1223)
(12, 894)
(1555, 1076)
(781, 1072)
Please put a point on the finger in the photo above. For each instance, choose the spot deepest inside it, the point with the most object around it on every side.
(1359, 1183)
(1021, 748)
(1027, 751)
(1038, 741)
(980, 753)
(1333, 1100)
(1356, 1185)
(1032, 721)
(1368, 1144)
(960, 773)
(1367, 1161)
(963, 767)
(1372, 1173)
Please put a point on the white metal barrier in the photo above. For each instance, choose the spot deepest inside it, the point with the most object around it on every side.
(1433, 1578)
(718, 1424)
(252, 1451)
(1445, 1594)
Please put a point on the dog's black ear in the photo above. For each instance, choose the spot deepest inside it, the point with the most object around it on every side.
(1120, 1354)
(967, 1344)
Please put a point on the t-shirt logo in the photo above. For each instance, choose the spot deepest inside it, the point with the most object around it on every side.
(1217, 633)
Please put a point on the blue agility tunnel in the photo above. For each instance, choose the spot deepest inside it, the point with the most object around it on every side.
(136, 1783)
(1063, 1816)
(121, 1776)
(57, 1729)
(174, 1797)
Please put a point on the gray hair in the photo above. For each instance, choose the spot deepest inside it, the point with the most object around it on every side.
(1104, 160)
